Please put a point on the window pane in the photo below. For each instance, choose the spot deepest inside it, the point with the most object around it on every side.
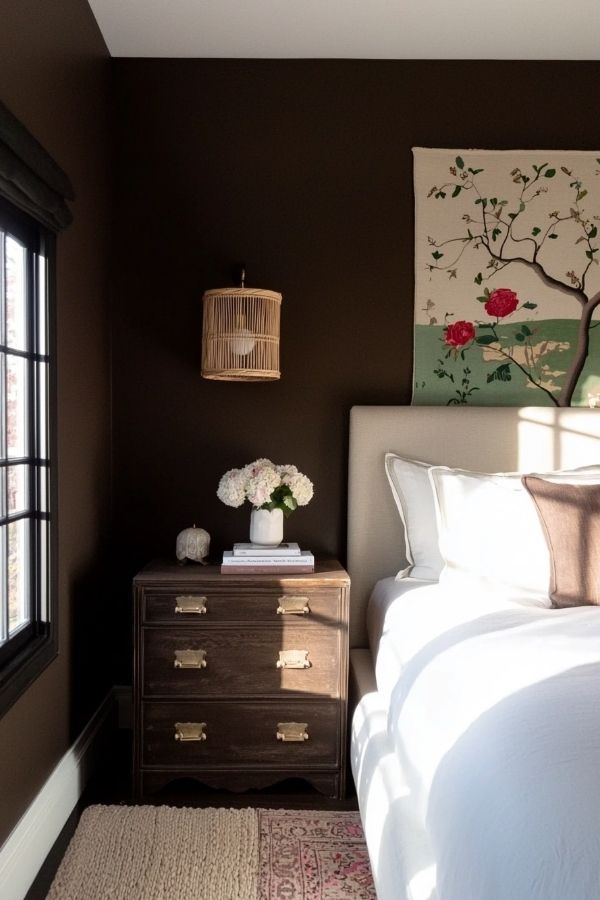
(18, 574)
(16, 294)
(18, 488)
(42, 476)
(42, 372)
(44, 570)
(16, 405)
(42, 317)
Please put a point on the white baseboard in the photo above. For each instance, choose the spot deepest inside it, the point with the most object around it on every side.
(30, 841)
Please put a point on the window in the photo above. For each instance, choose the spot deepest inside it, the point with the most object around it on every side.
(27, 635)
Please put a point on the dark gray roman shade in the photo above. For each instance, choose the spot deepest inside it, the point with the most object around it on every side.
(29, 177)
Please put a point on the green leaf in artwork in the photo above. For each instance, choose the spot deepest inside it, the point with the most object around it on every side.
(440, 195)
(520, 337)
(535, 231)
(521, 206)
(552, 237)
(493, 200)
(457, 190)
(437, 255)
(486, 339)
(502, 373)
(475, 171)
(526, 330)
(529, 305)
(478, 278)
(592, 232)
(482, 299)
(550, 173)
(495, 233)
(512, 215)
(460, 162)
(580, 196)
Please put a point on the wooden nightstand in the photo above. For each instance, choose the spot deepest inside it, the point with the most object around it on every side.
(240, 681)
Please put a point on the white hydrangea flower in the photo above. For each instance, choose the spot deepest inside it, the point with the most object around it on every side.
(302, 488)
(255, 467)
(257, 481)
(231, 490)
(286, 472)
(261, 485)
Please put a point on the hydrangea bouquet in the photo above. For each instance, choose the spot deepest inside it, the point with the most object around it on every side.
(266, 486)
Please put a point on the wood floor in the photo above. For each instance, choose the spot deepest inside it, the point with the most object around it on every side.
(112, 784)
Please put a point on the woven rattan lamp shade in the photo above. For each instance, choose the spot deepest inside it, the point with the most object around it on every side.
(240, 334)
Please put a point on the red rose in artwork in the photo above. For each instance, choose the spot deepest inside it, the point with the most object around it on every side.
(501, 302)
(459, 333)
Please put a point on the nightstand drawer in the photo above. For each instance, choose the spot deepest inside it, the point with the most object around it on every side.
(201, 662)
(221, 734)
(193, 606)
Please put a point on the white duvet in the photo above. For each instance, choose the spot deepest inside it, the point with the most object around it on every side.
(494, 715)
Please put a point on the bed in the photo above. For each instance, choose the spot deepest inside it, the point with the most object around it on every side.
(475, 741)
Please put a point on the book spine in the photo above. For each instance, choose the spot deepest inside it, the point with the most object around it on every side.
(282, 561)
(231, 569)
(266, 553)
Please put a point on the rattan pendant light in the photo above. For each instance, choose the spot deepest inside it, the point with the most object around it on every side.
(240, 334)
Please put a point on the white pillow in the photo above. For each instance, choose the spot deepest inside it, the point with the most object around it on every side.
(490, 535)
(413, 495)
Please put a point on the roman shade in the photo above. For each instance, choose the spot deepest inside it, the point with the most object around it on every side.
(29, 177)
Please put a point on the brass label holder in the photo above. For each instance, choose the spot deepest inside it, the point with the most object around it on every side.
(292, 731)
(188, 603)
(293, 606)
(293, 659)
(190, 659)
(190, 731)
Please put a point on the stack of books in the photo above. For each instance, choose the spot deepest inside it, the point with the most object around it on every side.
(254, 559)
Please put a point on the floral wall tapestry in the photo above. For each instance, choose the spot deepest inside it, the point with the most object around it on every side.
(507, 277)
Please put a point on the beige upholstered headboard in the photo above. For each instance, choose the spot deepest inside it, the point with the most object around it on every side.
(484, 439)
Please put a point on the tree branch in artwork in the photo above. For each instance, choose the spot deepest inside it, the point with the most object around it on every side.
(497, 226)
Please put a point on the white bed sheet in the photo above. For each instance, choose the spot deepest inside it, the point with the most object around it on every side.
(494, 717)
(384, 594)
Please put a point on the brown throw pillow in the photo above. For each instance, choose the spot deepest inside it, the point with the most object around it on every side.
(570, 516)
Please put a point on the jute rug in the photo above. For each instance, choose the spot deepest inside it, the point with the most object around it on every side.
(163, 853)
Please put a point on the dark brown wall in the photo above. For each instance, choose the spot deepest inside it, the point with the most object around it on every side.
(54, 75)
(303, 170)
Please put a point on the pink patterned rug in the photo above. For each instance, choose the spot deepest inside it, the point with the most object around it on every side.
(160, 852)
(313, 856)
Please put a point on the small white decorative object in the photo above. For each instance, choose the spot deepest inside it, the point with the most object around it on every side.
(192, 543)
(266, 527)
(594, 401)
(270, 489)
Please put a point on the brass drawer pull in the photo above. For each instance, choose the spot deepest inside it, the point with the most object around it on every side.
(293, 659)
(190, 731)
(190, 659)
(292, 731)
(190, 604)
(293, 606)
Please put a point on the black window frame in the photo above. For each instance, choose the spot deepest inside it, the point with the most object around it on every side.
(27, 653)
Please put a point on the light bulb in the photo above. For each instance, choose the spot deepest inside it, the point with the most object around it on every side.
(243, 343)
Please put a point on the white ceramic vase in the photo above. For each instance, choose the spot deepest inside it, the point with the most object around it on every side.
(266, 527)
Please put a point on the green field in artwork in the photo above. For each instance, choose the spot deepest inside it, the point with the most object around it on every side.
(550, 347)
